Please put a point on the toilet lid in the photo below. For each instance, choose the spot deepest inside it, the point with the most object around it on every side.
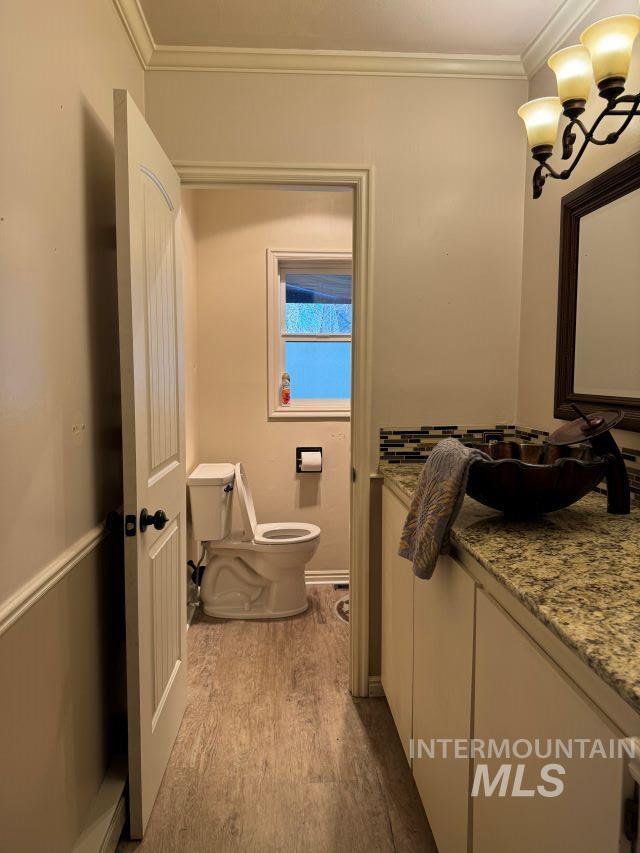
(245, 500)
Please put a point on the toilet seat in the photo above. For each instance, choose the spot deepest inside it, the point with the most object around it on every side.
(247, 509)
(285, 533)
(278, 533)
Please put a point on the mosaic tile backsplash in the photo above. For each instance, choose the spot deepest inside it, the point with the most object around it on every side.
(414, 444)
(632, 461)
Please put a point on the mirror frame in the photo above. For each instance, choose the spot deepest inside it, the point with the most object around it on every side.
(617, 181)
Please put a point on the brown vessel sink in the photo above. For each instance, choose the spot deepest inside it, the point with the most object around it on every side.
(528, 479)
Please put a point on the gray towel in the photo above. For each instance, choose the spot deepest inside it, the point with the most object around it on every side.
(436, 504)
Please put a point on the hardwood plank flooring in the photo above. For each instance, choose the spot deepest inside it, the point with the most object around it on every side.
(275, 755)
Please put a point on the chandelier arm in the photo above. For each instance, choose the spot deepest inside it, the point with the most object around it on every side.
(631, 114)
(569, 138)
(544, 169)
(538, 179)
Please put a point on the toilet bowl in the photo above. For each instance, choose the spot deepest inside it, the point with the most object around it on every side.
(257, 573)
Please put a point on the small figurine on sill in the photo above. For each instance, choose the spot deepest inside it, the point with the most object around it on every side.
(285, 390)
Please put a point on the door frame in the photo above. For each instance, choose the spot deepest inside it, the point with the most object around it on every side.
(198, 175)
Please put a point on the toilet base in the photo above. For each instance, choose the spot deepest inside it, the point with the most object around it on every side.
(255, 613)
(231, 589)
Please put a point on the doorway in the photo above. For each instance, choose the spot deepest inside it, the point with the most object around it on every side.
(358, 182)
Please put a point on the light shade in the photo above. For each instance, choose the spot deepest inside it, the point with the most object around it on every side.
(574, 75)
(541, 119)
(610, 42)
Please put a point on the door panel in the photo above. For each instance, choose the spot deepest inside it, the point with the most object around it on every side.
(161, 322)
(151, 365)
(165, 615)
(520, 693)
(443, 630)
(397, 621)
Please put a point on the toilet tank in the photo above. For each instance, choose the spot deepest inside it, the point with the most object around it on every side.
(210, 490)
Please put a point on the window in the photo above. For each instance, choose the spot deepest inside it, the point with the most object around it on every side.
(310, 333)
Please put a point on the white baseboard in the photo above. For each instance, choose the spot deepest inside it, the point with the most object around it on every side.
(375, 687)
(192, 609)
(114, 832)
(107, 815)
(319, 576)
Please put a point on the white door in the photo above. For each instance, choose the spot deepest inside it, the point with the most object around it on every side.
(151, 366)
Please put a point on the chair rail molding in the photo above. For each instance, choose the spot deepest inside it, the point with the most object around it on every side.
(28, 595)
(163, 57)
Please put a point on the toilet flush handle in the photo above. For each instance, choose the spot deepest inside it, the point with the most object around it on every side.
(157, 520)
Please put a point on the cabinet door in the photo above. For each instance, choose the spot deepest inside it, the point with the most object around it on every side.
(520, 693)
(443, 625)
(397, 619)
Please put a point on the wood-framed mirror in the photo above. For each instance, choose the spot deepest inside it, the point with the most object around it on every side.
(598, 335)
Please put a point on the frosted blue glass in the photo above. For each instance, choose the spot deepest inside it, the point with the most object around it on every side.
(319, 370)
(312, 318)
(318, 304)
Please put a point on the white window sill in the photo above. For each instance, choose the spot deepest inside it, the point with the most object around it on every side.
(302, 414)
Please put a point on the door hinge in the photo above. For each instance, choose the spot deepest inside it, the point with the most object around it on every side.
(631, 818)
(353, 475)
(130, 525)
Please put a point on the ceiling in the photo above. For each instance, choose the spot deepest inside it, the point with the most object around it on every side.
(493, 27)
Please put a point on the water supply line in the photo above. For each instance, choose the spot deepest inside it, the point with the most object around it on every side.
(197, 569)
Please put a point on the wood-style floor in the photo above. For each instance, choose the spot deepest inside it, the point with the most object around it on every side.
(274, 754)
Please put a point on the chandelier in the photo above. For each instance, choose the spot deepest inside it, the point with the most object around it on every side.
(604, 54)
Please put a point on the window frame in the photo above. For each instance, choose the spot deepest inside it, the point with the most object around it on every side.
(283, 261)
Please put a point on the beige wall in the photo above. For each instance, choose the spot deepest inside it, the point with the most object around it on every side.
(189, 214)
(58, 335)
(449, 162)
(541, 246)
(235, 227)
(190, 296)
(63, 708)
(58, 318)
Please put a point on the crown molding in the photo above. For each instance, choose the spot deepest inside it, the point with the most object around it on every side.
(554, 32)
(349, 62)
(137, 29)
(154, 57)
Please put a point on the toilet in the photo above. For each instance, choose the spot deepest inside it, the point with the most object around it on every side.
(258, 572)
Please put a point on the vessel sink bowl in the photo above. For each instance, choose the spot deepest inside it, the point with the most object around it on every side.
(529, 479)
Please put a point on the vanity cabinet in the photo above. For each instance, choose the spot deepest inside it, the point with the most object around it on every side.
(457, 665)
(397, 620)
(443, 622)
(520, 693)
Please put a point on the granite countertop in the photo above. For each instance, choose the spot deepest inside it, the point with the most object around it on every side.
(576, 570)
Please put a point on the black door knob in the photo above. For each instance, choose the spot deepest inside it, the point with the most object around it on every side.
(157, 520)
